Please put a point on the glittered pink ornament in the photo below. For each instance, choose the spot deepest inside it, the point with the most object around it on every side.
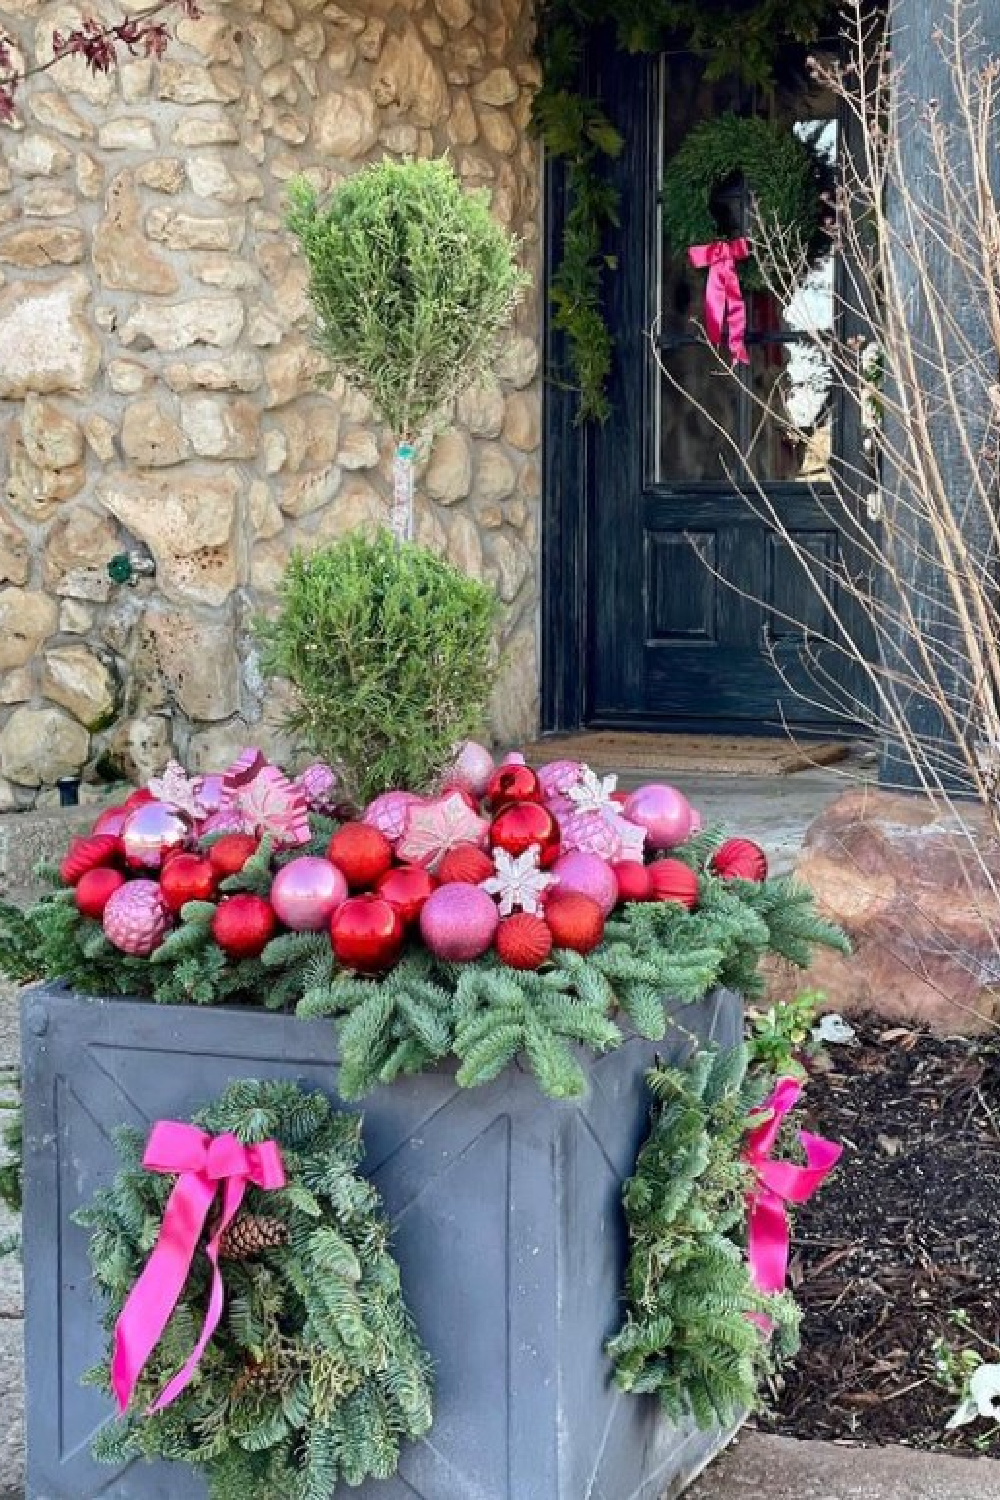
(136, 919)
(472, 768)
(306, 892)
(319, 783)
(663, 811)
(592, 833)
(151, 831)
(387, 813)
(225, 820)
(560, 806)
(588, 875)
(557, 776)
(513, 758)
(458, 922)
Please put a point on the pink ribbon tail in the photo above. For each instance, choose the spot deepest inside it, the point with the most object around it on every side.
(202, 1163)
(724, 304)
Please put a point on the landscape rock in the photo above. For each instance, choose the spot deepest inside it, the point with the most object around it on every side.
(38, 745)
(186, 522)
(78, 680)
(46, 343)
(27, 618)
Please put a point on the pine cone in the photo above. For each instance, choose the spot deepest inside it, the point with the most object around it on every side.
(250, 1234)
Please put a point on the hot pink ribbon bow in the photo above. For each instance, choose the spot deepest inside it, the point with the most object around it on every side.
(778, 1183)
(202, 1163)
(723, 297)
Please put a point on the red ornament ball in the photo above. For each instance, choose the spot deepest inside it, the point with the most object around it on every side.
(523, 826)
(186, 877)
(513, 782)
(620, 797)
(139, 798)
(244, 925)
(406, 888)
(367, 934)
(362, 852)
(673, 880)
(230, 854)
(95, 889)
(523, 941)
(460, 791)
(465, 864)
(91, 853)
(739, 859)
(633, 880)
(112, 820)
(574, 920)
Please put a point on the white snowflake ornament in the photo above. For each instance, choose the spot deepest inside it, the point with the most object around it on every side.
(518, 882)
(592, 793)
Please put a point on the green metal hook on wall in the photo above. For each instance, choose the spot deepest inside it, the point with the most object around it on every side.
(128, 567)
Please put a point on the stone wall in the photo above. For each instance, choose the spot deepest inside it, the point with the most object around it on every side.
(158, 389)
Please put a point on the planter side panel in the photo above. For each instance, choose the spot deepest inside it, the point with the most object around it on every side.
(507, 1225)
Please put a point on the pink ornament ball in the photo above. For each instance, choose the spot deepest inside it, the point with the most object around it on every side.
(208, 789)
(513, 758)
(136, 918)
(557, 776)
(150, 832)
(306, 892)
(560, 806)
(588, 875)
(319, 782)
(472, 769)
(459, 922)
(388, 812)
(112, 820)
(591, 833)
(663, 811)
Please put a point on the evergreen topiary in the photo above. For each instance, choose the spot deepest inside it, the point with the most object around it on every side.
(390, 651)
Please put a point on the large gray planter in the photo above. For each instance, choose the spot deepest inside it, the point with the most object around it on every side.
(508, 1228)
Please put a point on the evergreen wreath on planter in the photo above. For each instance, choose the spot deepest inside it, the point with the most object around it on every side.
(780, 171)
(315, 1374)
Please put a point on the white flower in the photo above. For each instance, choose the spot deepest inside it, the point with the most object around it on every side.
(834, 1029)
(518, 881)
(983, 1399)
(592, 793)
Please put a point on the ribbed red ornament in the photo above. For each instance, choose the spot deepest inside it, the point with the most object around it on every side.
(574, 920)
(187, 877)
(513, 783)
(466, 864)
(739, 859)
(95, 889)
(633, 880)
(244, 925)
(91, 853)
(523, 941)
(362, 853)
(230, 854)
(673, 880)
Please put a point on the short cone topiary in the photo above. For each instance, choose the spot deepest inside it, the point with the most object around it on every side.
(390, 651)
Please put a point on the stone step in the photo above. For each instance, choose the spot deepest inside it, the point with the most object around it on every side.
(761, 1465)
(28, 839)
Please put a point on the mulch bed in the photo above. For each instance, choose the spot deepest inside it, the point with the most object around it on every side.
(904, 1236)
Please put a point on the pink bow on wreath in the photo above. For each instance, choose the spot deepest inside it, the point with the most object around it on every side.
(203, 1164)
(723, 298)
(778, 1183)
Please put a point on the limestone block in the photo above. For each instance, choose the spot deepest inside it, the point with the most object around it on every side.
(268, 562)
(89, 176)
(301, 494)
(213, 35)
(240, 371)
(40, 156)
(517, 362)
(126, 377)
(358, 506)
(183, 231)
(189, 83)
(74, 74)
(75, 618)
(54, 111)
(13, 552)
(197, 661)
(164, 174)
(481, 408)
(43, 200)
(463, 127)
(497, 88)
(465, 549)
(38, 745)
(514, 704)
(454, 13)
(150, 437)
(127, 135)
(265, 515)
(523, 422)
(408, 77)
(218, 745)
(46, 342)
(16, 686)
(267, 44)
(136, 79)
(449, 474)
(225, 271)
(292, 370)
(100, 436)
(38, 493)
(344, 123)
(122, 256)
(207, 130)
(495, 474)
(211, 178)
(511, 564)
(141, 747)
(75, 678)
(52, 440)
(27, 618)
(186, 521)
(219, 428)
(201, 320)
(77, 551)
(499, 131)
(358, 449)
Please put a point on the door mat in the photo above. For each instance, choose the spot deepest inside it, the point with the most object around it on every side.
(711, 754)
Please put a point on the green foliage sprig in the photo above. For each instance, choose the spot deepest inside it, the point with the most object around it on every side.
(390, 651)
(689, 1336)
(316, 1374)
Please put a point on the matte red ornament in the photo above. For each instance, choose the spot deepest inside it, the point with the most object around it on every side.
(367, 934)
(186, 877)
(526, 825)
(231, 853)
(89, 853)
(524, 941)
(466, 864)
(633, 880)
(739, 859)
(574, 920)
(362, 853)
(244, 925)
(673, 880)
(406, 888)
(95, 889)
(513, 782)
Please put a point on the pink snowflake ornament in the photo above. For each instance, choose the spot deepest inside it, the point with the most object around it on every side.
(434, 827)
(518, 882)
(178, 791)
(258, 798)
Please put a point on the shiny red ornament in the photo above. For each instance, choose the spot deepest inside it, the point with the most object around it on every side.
(523, 941)
(139, 798)
(244, 925)
(526, 825)
(111, 820)
(367, 934)
(230, 854)
(406, 888)
(620, 797)
(633, 880)
(513, 783)
(739, 859)
(95, 889)
(465, 864)
(461, 791)
(574, 920)
(90, 853)
(362, 853)
(673, 880)
(187, 877)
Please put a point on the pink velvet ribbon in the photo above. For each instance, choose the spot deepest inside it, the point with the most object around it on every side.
(778, 1183)
(203, 1163)
(724, 303)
